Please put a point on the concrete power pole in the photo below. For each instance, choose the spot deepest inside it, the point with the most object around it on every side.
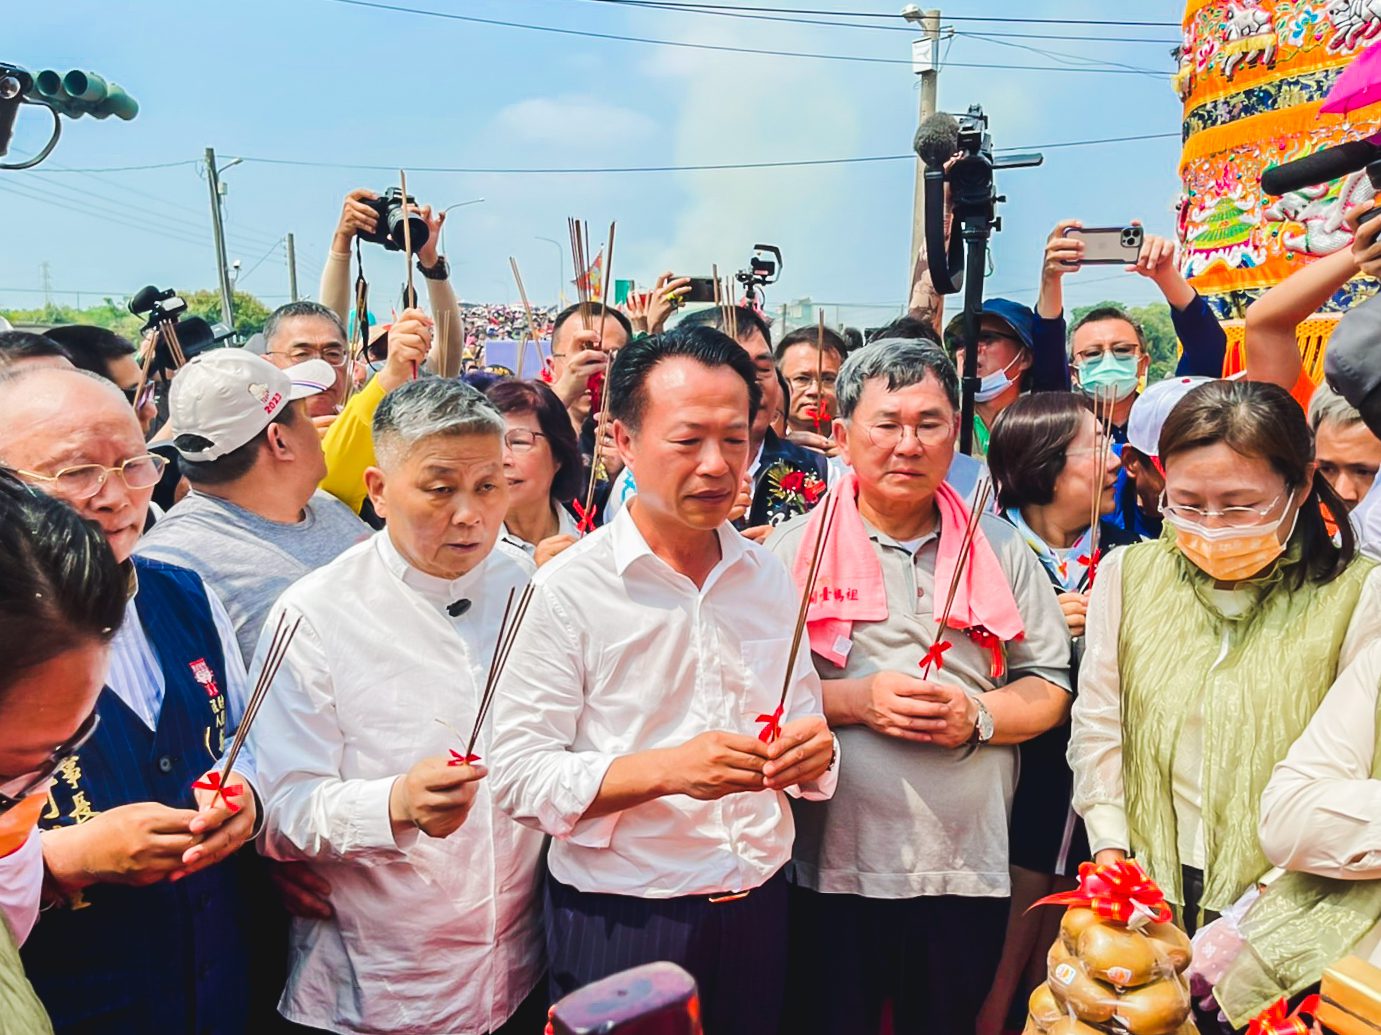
(925, 62)
(213, 180)
(292, 269)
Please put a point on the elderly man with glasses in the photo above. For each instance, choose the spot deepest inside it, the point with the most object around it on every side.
(147, 917)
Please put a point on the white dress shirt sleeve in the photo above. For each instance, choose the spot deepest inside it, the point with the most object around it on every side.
(805, 698)
(1095, 742)
(237, 682)
(536, 776)
(1321, 810)
(312, 813)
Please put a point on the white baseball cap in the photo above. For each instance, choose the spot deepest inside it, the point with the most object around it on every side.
(1151, 409)
(225, 397)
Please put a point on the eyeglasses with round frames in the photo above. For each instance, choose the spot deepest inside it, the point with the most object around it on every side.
(889, 434)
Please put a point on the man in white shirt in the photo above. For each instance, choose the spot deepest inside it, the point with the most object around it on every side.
(130, 834)
(629, 718)
(436, 923)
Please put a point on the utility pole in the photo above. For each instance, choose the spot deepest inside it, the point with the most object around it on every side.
(47, 284)
(213, 180)
(925, 62)
(292, 269)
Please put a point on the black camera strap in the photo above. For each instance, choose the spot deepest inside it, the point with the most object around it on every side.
(361, 305)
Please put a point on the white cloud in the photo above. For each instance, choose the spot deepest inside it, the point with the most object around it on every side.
(573, 119)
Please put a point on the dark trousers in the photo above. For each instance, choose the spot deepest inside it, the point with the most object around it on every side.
(933, 958)
(736, 951)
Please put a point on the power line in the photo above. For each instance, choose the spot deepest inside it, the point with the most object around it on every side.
(719, 48)
(121, 293)
(688, 6)
(1056, 55)
(33, 194)
(117, 168)
(717, 167)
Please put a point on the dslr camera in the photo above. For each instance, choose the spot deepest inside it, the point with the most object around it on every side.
(389, 229)
(167, 314)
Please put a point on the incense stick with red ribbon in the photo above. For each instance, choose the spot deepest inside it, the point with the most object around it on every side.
(772, 723)
(934, 657)
(273, 659)
(409, 292)
(586, 513)
(503, 644)
(1277, 1020)
(1118, 891)
(1102, 448)
(819, 412)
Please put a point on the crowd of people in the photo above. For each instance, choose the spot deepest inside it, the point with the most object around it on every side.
(524, 696)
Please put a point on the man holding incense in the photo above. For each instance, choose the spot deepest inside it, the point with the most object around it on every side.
(144, 918)
(901, 879)
(362, 745)
(634, 721)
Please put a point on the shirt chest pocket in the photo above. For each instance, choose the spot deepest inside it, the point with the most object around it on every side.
(762, 669)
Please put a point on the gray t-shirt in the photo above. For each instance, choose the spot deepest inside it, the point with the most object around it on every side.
(249, 560)
(913, 819)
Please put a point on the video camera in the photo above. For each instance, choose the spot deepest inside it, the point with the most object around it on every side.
(179, 337)
(761, 271)
(75, 94)
(389, 230)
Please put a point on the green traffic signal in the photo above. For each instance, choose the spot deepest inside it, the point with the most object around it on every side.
(81, 93)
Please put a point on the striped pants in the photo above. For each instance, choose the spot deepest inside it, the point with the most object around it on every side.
(736, 951)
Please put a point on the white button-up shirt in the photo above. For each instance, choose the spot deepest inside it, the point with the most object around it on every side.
(21, 887)
(429, 935)
(620, 653)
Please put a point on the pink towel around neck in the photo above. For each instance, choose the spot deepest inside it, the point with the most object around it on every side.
(849, 586)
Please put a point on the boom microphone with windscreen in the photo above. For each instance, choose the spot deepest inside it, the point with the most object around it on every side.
(937, 140)
(1320, 167)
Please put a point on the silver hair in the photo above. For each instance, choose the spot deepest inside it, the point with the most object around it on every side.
(294, 309)
(426, 408)
(1328, 407)
(902, 361)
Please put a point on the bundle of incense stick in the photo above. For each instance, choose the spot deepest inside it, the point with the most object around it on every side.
(531, 322)
(933, 657)
(273, 659)
(409, 292)
(1103, 404)
(772, 724)
(597, 468)
(820, 412)
(580, 250)
(503, 645)
(724, 300)
(361, 353)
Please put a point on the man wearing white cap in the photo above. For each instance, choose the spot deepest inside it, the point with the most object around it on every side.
(254, 522)
(1138, 493)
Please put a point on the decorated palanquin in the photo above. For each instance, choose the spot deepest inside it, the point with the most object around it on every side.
(1252, 75)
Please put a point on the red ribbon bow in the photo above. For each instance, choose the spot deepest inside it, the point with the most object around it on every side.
(772, 726)
(595, 386)
(1118, 891)
(813, 490)
(935, 657)
(1275, 1021)
(213, 783)
(997, 668)
(820, 415)
(458, 759)
(587, 517)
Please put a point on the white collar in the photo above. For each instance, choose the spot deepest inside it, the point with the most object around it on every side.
(629, 545)
(431, 587)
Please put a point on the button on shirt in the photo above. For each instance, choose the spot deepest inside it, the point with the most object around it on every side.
(620, 653)
(429, 934)
(917, 819)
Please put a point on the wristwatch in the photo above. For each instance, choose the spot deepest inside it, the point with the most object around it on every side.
(982, 725)
(440, 271)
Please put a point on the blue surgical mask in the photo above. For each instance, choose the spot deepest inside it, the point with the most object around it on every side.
(1110, 374)
(994, 384)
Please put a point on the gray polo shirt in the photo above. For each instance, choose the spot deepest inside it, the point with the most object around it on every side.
(913, 819)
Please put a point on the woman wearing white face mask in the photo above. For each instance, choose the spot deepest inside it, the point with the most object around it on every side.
(1209, 650)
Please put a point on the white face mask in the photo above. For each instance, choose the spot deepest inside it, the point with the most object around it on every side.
(995, 384)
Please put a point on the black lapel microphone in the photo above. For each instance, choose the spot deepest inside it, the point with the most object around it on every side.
(457, 608)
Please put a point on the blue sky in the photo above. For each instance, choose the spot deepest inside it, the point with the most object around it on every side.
(320, 81)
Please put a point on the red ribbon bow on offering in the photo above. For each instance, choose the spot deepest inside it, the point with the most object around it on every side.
(587, 517)
(935, 657)
(820, 415)
(1118, 891)
(1275, 1021)
(213, 783)
(458, 759)
(812, 490)
(997, 668)
(595, 386)
(772, 725)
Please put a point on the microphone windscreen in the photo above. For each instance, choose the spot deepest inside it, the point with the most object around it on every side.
(937, 139)
(143, 301)
(1320, 167)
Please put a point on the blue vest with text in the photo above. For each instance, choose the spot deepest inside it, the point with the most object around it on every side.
(169, 957)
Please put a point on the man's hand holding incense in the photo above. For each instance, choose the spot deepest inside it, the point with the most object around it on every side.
(716, 764)
(1075, 608)
(135, 844)
(409, 341)
(820, 443)
(950, 715)
(897, 705)
(220, 828)
(801, 754)
(583, 358)
(434, 796)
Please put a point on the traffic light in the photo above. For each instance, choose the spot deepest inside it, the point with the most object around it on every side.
(81, 93)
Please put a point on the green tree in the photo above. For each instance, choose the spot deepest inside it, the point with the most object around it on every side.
(250, 313)
(113, 314)
(1155, 323)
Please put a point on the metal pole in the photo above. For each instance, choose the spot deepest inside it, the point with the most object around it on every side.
(930, 89)
(292, 269)
(213, 180)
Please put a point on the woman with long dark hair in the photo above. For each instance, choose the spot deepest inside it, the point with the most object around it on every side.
(1209, 649)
